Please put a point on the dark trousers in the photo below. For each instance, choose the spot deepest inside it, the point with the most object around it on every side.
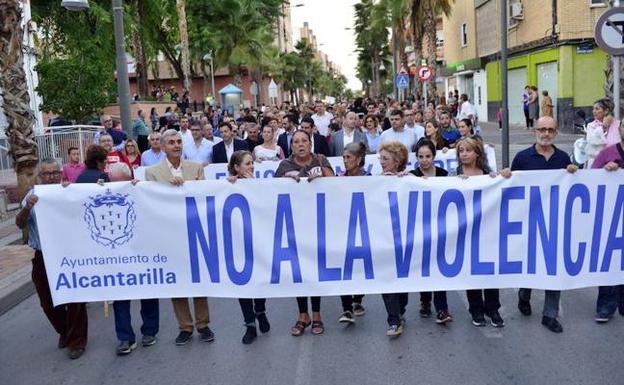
(551, 301)
(251, 307)
(529, 121)
(302, 303)
(482, 301)
(439, 299)
(143, 143)
(70, 320)
(395, 306)
(609, 299)
(123, 320)
(349, 300)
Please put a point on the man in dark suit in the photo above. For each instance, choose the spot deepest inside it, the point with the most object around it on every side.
(319, 143)
(222, 151)
(288, 124)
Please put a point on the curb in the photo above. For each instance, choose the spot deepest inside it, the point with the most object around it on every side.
(15, 288)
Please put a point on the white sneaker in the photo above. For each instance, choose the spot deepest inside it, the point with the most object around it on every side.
(394, 330)
(346, 317)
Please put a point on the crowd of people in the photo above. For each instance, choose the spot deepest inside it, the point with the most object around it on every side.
(301, 139)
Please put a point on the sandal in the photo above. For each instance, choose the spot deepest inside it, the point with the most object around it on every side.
(299, 328)
(317, 327)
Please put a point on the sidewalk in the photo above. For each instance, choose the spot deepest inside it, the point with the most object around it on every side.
(15, 266)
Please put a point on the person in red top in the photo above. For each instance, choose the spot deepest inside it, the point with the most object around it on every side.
(113, 156)
(131, 149)
(74, 168)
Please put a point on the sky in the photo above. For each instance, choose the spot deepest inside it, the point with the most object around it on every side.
(328, 20)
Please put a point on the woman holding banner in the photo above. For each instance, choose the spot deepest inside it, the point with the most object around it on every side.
(302, 163)
(393, 160)
(354, 157)
(425, 154)
(242, 166)
(473, 162)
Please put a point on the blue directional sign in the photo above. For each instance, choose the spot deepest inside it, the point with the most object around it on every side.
(402, 81)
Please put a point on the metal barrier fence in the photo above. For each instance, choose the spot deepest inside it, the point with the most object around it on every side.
(56, 141)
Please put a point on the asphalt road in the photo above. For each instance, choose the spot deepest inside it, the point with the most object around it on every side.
(523, 352)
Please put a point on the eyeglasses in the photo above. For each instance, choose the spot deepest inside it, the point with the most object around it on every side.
(50, 174)
(544, 130)
(108, 121)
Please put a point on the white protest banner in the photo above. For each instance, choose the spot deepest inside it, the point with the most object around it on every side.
(331, 236)
(447, 161)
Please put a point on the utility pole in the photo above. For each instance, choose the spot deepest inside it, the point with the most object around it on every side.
(504, 93)
(123, 84)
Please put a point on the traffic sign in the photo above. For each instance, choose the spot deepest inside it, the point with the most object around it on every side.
(609, 31)
(425, 73)
(402, 81)
(403, 70)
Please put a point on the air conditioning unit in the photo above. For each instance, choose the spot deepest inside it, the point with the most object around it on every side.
(517, 11)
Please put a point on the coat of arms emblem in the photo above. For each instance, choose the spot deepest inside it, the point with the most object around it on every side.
(110, 218)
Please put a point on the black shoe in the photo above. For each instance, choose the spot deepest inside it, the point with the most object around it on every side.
(346, 317)
(148, 341)
(524, 307)
(126, 347)
(425, 309)
(206, 334)
(62, 342)
(74, 354)
(552, 324)
(250, 335)
(478, 320)
(495, 319)
(263, 322)
(183, 338)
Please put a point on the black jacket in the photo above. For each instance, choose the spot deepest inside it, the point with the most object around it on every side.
(218, 151)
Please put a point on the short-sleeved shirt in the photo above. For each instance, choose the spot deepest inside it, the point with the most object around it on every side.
(438, 172)
(33, 231)
(530, 159)
(288, 166)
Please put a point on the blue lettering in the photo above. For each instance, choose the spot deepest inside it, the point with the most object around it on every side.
(507, 228)
(289, 253)
(615, 242)
(325, 273)
(537, 223)
(237, 201)
(451, 197)
(426, 259)
(402, 259)
(597, 233)
(195, 233)
(62, 281)
(581, 192)
(477, 267)
(357, 218)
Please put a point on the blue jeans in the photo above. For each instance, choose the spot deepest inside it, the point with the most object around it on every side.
(123, 321)
(551, 301)
(609, 299)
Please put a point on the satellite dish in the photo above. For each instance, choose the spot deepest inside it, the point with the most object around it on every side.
(75, 5)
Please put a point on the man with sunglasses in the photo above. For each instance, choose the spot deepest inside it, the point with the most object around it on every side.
(69, 320)
(543, 155)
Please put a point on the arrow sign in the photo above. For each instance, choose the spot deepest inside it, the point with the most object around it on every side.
(402, 81)
(425, 73)
(609, 31)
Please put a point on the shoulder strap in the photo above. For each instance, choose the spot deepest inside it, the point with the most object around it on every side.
(620, 150)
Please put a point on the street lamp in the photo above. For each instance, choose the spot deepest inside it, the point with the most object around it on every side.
(382, 67)
(123, 84)
(207, 57)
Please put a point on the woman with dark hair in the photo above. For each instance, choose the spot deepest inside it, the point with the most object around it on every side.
(241, 166)
(303, 163)
(95, 161)
(425, 154)
(432, 133)
(465, 127)
(354, 157)
(373, 132)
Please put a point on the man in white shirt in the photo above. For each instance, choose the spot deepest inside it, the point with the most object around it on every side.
(410, 124)
(200, 150)
(185, 133)
(322, 119)
(209, 134)
(397, 131)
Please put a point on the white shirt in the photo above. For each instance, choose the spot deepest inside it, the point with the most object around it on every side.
(346, 138)
(175, 171)
(187, 138)
(215, 140)
(229, 149)
(418, 130)
(407, 137)
(466, 110)
(201, 154)
(322, 122)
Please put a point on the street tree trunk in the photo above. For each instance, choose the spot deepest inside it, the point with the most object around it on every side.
(139, 52)
(429, 41)
(186, 66)
(20, 118)
(608, 87)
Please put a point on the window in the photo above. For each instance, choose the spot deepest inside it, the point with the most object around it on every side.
(597, 3)
(439, 38)
(464, 35)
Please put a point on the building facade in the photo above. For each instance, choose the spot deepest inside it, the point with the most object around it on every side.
(550, 45)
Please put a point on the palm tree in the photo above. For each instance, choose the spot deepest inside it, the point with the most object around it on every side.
(20, 118)
(426, 16)
(138, 7)
(184, 43)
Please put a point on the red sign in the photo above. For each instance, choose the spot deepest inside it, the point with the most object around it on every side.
(425, 73)
(413, 70)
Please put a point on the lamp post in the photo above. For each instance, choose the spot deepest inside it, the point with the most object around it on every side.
(123, 84)
(207, 57)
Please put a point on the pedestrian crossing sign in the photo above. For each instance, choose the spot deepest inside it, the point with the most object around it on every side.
(402, 81)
